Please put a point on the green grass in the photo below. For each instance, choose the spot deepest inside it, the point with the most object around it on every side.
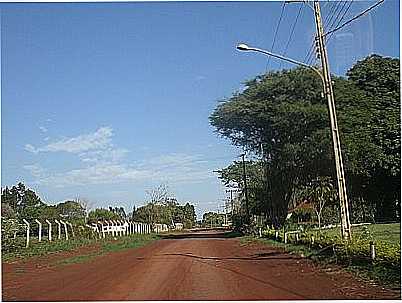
(78, 259)
(381, 273)
(353, 256)
(390, 233)
(128, 242)
(42, 248)
(106, 245)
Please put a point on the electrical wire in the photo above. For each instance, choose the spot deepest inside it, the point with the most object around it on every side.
(291, 34)
(329, 14)
(275, 35)
(330, 26)
(354, 18)
(329, 22)
(339, 22)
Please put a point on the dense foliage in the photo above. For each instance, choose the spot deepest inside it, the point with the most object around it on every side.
(166, 212)
(283, 118)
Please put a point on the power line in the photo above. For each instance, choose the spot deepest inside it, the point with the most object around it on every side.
(343, 16)
(291, 34)
(354, 18)
(276, 33)
(308, 55)
(337, 16)
(335, 11)
(329, 13)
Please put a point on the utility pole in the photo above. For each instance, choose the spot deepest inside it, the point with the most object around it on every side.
(327, 83)
(245, 188)
(328, 90)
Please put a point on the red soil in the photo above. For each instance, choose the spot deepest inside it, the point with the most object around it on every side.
(202, 267)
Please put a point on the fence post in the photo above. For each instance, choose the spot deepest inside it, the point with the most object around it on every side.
(50, 230)
(72, 229)
(103, 230)
(118, 229)
(126, 231)
(297, 237)
(286, 238)
(40, 230)
(372, 250)
(65, 228)
(276, 235)
(108, 226)
(312, 240)
(27, 224)
(58, 228)
(112, 227)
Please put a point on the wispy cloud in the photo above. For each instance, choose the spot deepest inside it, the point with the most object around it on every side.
(43, 129)
(105, 173)
(30, 148)
(100, 139)
(174, 168)
(35, 169)
(105, 164)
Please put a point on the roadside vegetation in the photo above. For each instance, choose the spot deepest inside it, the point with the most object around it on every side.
(329, 249)
(19, 203)
(281, 120)
(101, 246)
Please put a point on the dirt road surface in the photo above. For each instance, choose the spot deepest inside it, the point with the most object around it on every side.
(201, 266)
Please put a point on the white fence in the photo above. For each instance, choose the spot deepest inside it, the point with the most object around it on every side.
(62, 229)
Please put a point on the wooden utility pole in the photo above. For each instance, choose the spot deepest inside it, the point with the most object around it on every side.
(329, 93)
(245, 188)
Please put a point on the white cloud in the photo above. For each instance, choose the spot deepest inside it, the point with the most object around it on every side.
(100, 139)
(30, 148)
(105, 173)
(104, 164)
(107, 155)
(35, 169)
(43, 129)
(175, 168)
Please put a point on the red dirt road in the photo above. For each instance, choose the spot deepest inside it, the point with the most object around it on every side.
(189, 268)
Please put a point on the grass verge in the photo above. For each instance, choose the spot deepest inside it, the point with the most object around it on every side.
(378, 272)
(105, 245)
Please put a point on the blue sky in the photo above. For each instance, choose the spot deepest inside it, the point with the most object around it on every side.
(104, 101)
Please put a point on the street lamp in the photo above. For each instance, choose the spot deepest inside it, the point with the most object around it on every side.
(245, 48)
(326, 80)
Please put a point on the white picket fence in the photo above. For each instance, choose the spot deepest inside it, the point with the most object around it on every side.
(114, 228)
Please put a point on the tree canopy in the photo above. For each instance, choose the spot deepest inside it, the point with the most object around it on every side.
(283, 118)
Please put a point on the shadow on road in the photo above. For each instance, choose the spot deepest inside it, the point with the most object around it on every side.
(203, 235)
(256, 257)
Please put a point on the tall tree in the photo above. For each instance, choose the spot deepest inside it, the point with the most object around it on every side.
(285, 114)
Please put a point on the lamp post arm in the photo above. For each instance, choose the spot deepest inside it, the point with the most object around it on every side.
(287, 59)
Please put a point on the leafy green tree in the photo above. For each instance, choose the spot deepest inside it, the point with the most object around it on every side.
(380, 174)
(319, 192)
(284, 115)
(71, 211)
(212, 219)
(101, 214)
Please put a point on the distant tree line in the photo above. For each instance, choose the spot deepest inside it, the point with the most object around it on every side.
(20, 202)
(282, 118)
